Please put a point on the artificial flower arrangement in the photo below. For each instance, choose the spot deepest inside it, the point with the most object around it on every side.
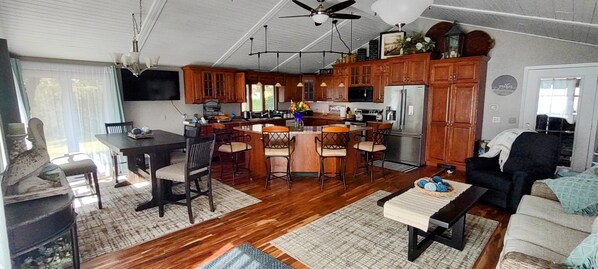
(299, 107)
(415, 43)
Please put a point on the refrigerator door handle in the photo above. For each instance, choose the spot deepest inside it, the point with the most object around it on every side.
(400, 116)
(404, 108)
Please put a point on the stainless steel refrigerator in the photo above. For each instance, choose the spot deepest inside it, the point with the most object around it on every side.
(405, 107)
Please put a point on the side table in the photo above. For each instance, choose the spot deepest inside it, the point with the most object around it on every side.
(34, 223)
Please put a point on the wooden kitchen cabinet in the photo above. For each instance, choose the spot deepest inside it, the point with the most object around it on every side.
(291, 91)
(202, 83)
(455, 110)
(379, 81)
(360, 74)
(409, 69)
(324, 93)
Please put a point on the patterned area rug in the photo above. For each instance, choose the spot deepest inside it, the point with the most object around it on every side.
(119, 226)
(245, 256)
(405, 168)
(359, 236)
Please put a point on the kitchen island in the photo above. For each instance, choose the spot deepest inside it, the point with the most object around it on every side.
(305, 161)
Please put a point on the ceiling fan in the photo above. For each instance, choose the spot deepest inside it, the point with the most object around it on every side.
(320, 14)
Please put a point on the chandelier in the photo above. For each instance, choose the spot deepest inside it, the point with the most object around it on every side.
(130, 60)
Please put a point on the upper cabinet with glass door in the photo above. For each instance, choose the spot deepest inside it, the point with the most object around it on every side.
(203, 83)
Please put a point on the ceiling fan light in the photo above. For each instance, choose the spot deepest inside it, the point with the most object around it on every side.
(320, 17)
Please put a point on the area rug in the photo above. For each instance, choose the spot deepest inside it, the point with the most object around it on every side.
(245, 256)
(359, 236)
(404, 168)
(119, 226)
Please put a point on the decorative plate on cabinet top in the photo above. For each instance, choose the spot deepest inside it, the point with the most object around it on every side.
(477, 43)
(436, 33)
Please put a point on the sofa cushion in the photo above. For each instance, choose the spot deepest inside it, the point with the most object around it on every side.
(552, 236)
(584, 254)
(553, 211)
(576, 194)
(495, 180)
(528, 248)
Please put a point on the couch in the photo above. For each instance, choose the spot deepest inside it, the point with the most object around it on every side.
(533, 156)
(541, 234)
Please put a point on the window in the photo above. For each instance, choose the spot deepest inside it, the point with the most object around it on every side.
(559, 97)
(262, 98)
(74, 102)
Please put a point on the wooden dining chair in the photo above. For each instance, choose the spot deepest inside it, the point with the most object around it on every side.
(332, 143)
(198, 164)
(278, 143)
(228, 143)
(117, 128)
(189, 131)
(369, 148)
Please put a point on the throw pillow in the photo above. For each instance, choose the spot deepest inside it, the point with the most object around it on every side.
(578, 195)
(585, 254)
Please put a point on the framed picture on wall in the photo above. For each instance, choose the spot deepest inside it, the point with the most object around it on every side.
(389, 43)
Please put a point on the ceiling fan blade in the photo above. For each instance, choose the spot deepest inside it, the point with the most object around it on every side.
(339, 6)
(303, 6)
(344, 16)
(295, 16)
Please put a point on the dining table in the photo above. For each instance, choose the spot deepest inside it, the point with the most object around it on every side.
(158, 147)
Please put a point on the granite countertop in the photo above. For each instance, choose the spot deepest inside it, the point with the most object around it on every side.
(257, 128)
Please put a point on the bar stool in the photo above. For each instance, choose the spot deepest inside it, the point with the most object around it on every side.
(332, 143)
(228, 143)
(73, 164)
(118, 128)
(278, 143)
(370, 148)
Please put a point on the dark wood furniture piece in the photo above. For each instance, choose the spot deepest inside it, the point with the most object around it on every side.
(34, 223)
(224, 84)
(158, 148)
(452, 216)
(455, 109)
(118, 128)
(198, 163)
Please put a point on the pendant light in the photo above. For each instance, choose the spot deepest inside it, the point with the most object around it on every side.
(323, 84)
(259, 83)
(277, 85)
(300, 84)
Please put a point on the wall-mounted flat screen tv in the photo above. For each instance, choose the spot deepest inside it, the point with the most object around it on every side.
(151, 85)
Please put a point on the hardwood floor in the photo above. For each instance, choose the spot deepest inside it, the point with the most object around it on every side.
(280, 211)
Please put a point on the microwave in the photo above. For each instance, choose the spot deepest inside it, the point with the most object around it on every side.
(361, 94)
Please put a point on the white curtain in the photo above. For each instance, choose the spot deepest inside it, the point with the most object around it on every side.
(559, 98)
(74, 101)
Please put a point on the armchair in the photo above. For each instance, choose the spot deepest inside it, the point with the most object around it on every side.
(533, 156)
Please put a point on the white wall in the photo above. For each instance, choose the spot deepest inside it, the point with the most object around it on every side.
(511, 54)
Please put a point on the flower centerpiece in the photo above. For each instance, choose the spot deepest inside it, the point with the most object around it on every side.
(298, 108)
(415, 43)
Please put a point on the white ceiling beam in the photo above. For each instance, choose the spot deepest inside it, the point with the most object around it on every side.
(256, 27)
(149, 21)
(513, 15)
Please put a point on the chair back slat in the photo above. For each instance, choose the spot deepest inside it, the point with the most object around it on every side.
(118, 127)
(379, 137)
(276, 137)
(334, 137)
(199, 152)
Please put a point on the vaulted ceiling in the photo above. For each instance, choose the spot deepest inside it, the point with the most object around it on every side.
(217, 32)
